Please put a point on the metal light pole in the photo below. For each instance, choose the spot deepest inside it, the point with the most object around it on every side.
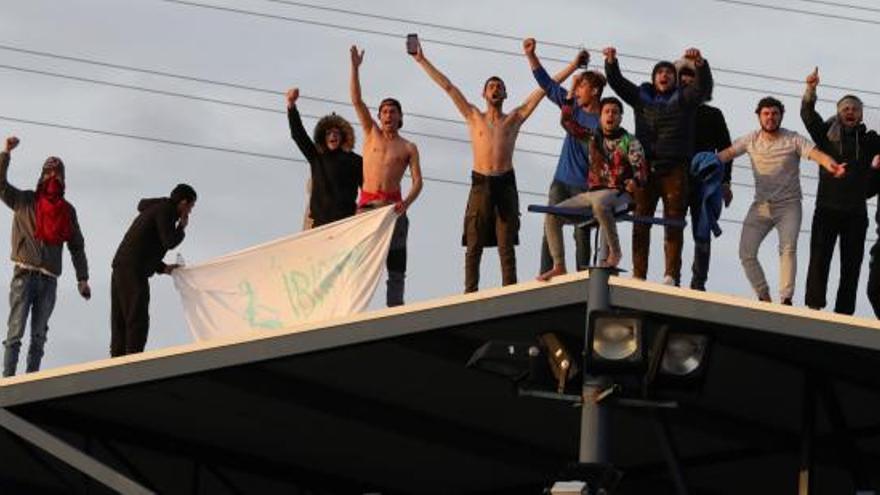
(594, 415)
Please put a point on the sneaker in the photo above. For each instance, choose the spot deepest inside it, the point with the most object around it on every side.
(668, 280)
(787, 301)
(765, 298)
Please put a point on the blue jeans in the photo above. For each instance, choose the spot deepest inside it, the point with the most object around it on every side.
(29, 292)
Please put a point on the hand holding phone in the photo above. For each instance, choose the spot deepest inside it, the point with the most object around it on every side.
(412, 43)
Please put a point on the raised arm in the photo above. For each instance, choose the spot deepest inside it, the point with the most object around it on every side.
(415, 172)
(464, 107)
(812, 120)
(360, 108)
(297, 131)
(700, 91)
(628, 91)
(534, 99)
(551, 86)
(8, 193)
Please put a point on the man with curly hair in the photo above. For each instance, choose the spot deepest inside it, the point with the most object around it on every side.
(337, 172)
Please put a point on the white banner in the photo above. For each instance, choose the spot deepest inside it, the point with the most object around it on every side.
(322, 273)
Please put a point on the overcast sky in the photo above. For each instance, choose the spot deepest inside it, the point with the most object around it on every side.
(246, 200)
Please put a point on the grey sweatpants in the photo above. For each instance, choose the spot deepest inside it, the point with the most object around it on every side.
(785, 217)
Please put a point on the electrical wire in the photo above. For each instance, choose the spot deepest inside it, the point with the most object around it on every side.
(510, 37)
(792, 10)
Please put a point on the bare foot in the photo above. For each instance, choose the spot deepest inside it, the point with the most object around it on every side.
(546, 276)
(612, 260)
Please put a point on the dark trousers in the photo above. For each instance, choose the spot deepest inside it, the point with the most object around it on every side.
(851, 228)
(559, 192)
(671, 184)
(395, 263)
(702, 249)
(129, 312)
(491, 218)
(874, 279)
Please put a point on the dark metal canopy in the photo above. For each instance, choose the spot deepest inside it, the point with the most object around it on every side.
(382, 402)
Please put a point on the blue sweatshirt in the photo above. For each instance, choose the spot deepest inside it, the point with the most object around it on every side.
(573, 160)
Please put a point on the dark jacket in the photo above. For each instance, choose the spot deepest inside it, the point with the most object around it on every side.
(711, 134)
(336, 175)
(856, 148)
(28, 249)
(150, 236)
(664, 122)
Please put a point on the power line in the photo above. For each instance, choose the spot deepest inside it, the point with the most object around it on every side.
(490, 50)
(214, 82)
(793, 10)
(276, 111)
(236, 104)
(269, 156)
(488, 34)
(835, 4)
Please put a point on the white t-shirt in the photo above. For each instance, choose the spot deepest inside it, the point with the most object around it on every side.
(775, 163)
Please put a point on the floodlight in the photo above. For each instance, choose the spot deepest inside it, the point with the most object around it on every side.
(684, 353)
(615, 340)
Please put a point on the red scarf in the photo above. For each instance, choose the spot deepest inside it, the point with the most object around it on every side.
(52, 213)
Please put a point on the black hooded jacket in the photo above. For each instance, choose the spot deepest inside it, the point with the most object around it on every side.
(150, 236)
(857, 147)
(336, 175)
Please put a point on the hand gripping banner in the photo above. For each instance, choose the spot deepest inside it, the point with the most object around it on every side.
(327, 272)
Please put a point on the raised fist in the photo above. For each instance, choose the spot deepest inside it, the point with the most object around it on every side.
(610, 54)
(11, 143)
(695, 55)
(291, 96)
(529, 45)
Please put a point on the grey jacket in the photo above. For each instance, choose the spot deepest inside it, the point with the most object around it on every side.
(28, 249)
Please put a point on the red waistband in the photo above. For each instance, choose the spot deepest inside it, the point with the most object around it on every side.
(368, 197)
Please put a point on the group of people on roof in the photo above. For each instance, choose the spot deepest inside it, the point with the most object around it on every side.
(681, 152)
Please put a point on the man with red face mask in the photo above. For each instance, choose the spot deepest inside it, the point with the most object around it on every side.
(42, 222)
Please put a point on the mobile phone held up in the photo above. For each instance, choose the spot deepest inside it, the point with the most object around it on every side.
(412, 43)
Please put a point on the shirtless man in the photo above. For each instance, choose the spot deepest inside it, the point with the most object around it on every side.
(386, 157)
(492, 215)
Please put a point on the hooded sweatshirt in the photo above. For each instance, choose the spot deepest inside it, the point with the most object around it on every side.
(26, 248)
(857, 147)
(149, 237)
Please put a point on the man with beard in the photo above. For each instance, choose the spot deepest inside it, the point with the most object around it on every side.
(570, 178)
(42, 222)
(492, 215)
(386, 157)
(617, 168)
(710, 134)
(776, 155)
(664, 115)
(337, 172)
(841, 210)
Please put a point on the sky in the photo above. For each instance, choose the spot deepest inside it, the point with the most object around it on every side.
(246, 200)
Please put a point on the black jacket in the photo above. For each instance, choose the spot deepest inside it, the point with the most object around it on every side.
(336, 176)
(711, 134)
(664, 122)
(856, 148)
(150, 236)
